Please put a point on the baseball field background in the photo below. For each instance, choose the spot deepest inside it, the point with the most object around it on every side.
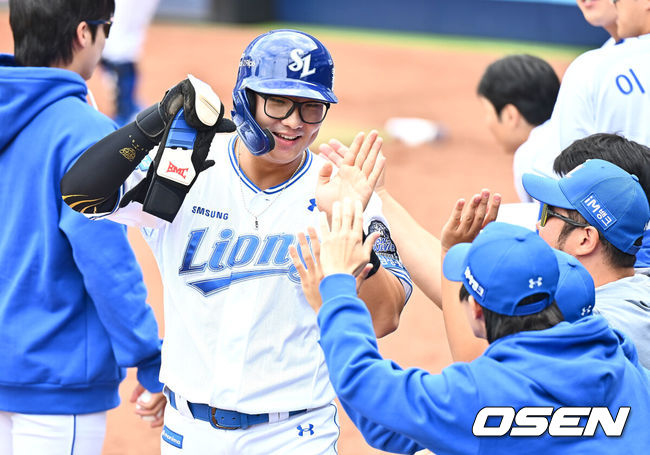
(378, 76)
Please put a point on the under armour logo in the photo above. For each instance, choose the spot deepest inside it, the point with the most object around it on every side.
(301, 430)
(312, 205)
(586, 310)
(532, 283)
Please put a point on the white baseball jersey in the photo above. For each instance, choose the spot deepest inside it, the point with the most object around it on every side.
(537, 154)
(534, 157)
(606, 90)
(239, 333)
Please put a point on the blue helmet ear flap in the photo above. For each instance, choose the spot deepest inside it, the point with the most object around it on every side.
(257, 140)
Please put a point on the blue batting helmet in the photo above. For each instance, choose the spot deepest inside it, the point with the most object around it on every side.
(280, 62)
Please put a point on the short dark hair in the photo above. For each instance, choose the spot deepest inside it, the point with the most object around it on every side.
(632, 157)
(615, 257)
(44, 30)
(527, 82)
(500, 325)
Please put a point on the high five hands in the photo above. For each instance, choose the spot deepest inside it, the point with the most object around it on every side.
(359, 168)
(342, 249)
(467, 220)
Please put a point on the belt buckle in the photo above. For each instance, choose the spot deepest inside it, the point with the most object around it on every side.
(213, 421)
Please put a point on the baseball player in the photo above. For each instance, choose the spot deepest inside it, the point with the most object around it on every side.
(241, 363)
(597, 213)
(71, 320)
(518, 93)
(606, 90)
(535, 360)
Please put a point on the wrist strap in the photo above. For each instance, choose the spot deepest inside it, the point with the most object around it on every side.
(374, 259)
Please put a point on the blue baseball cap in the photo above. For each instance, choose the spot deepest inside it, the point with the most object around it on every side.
(607, 197)
(575, 294)
(504, 265)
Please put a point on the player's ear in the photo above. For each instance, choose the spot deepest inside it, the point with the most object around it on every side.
(510, 115)
(478, 322)
(477, 310)
(83, 36)
(587, 242)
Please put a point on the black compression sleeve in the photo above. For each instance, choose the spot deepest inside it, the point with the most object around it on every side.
(92, 183)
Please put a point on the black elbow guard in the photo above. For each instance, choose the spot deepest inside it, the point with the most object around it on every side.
(151, 123)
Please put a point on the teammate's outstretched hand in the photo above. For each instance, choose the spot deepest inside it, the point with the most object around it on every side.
(356, 176)
(149, 406)
(343, 249)
(338, 154)
(467, 220)
(311, 272)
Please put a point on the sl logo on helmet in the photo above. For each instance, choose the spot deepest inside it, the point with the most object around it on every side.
(301, 62)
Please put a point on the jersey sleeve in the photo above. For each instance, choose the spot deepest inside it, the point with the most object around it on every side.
(574, 113)
(132, 214)
(384, 247)
(398, 406)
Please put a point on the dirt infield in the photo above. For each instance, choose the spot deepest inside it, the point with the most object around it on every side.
(373, 82)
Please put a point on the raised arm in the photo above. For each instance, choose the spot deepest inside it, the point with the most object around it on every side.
(389, 284)
(464, 224)
(93, 183)
(418, 249)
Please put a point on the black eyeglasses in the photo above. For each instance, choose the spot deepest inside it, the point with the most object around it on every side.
(548, 212)
(105, 22)
(280, 107)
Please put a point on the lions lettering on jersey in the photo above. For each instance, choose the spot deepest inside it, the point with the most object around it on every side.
(258, 257)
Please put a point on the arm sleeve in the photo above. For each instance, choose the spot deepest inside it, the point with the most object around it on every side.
(93, 184)
(379, 436)
(113, 280)
(433, 411)
(384, 247)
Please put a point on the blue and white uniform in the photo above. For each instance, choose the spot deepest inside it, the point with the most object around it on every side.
(607, 90)
(239, 333)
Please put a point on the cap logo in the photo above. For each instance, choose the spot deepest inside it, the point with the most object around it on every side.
(532, 283)
(473, 283)
(247, 62)
(301, 62)
(598, 210)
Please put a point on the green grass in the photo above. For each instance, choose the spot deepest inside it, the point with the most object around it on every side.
(433, 41)
(410, 39)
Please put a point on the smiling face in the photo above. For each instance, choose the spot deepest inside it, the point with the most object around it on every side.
(599, 13)
(292, 135)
